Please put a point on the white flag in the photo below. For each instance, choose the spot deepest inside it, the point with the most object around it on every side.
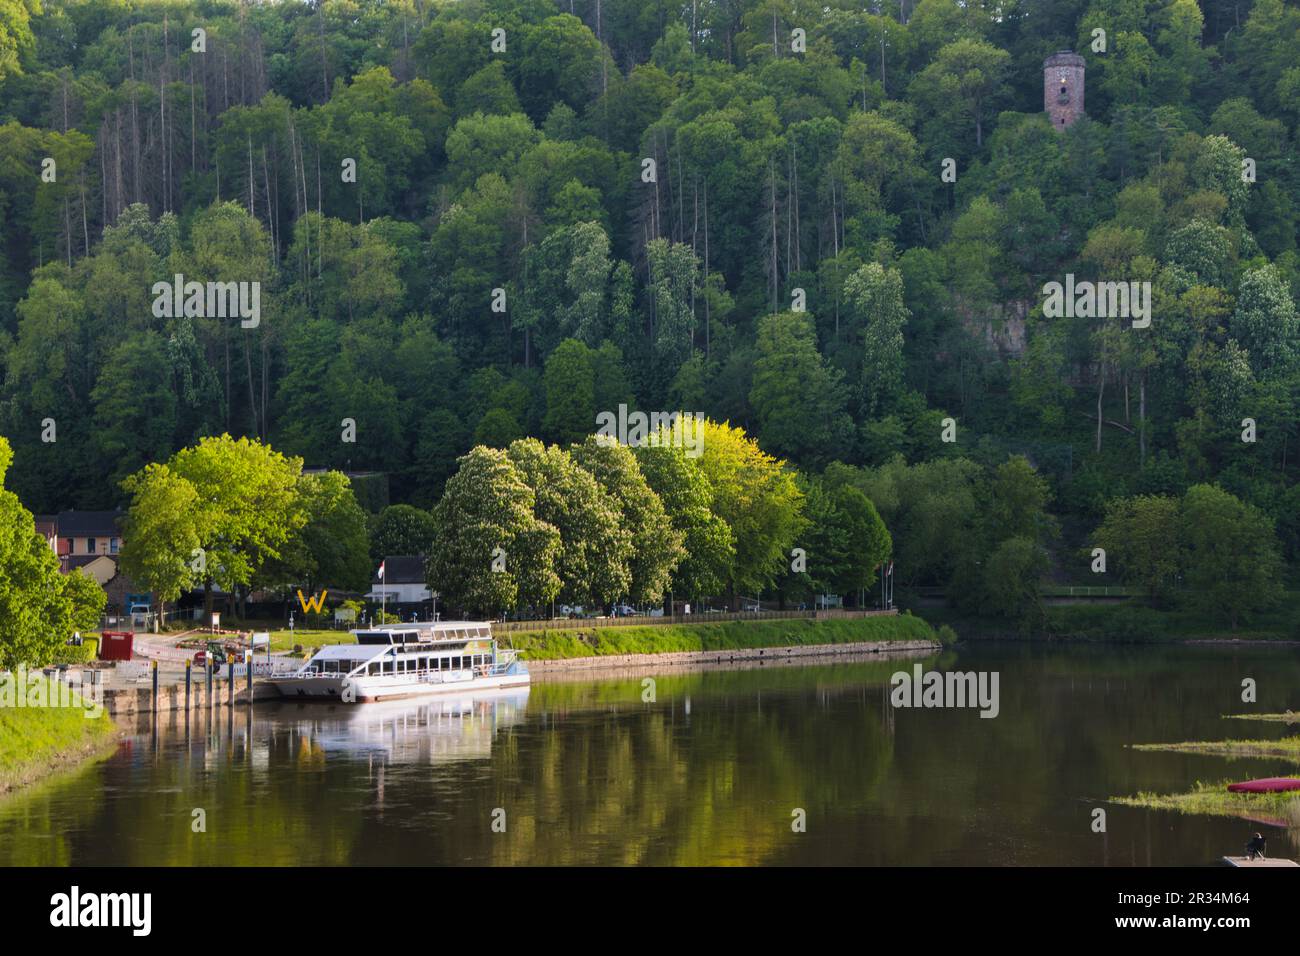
(381, 570)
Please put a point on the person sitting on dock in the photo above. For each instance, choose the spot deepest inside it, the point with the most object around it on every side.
(1255, 847)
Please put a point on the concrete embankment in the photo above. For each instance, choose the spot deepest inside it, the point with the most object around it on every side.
(171, 698)
(545, 669)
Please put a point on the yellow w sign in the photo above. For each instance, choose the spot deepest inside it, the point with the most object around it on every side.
(315, 604)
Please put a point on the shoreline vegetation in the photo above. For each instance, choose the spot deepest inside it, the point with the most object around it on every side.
(1289, 717)
(1104, 624)
(1275, 809)
(1126, 623)
(570, 643)
(1278, 809)
(1285, 747)
(39, 742)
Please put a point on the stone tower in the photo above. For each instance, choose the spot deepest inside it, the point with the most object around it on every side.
(1063, 88)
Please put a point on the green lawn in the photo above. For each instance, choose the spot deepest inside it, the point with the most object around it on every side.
(33, 738)
(284, 640)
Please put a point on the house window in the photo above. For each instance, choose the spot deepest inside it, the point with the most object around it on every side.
(90, 546)
(112, 545)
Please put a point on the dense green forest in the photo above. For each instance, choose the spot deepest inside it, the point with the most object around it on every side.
(478, 222)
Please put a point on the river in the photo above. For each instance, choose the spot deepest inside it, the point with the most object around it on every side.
(719, 767)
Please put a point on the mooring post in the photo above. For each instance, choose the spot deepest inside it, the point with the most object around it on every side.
(230, 684)
(189, 665)
(153, 703)
(207, 667)
(250, 680)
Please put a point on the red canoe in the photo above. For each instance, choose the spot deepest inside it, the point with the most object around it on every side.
(1266, 785)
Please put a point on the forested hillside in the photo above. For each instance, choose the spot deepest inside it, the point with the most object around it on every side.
(475, 222)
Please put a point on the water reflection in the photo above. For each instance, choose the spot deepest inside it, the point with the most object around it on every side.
(427, 731)
(706, 770)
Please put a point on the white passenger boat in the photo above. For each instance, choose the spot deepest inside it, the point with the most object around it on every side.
(406, 660)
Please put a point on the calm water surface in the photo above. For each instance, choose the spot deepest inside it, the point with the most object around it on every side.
(709, 773)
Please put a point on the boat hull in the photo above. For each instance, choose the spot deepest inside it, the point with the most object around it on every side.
(372, 689)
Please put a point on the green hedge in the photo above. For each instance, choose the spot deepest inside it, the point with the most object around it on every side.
(72, 654)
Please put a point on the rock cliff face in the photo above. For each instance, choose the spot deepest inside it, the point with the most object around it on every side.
(1001, 327)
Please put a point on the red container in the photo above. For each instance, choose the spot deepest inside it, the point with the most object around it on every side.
(116, 645)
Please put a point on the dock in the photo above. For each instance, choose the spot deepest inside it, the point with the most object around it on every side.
(1241, 861)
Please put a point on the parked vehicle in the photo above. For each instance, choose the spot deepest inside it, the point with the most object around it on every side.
(215, 651)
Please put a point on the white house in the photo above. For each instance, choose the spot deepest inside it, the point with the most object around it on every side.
(400, 580)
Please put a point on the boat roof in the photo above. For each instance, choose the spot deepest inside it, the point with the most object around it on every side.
(427, 632)
(334, 652)
(427, 626)
(367, 652)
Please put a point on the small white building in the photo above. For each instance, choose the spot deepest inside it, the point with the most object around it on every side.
(400, 580)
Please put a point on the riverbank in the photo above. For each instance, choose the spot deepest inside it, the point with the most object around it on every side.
(38, 742)
(727, 639)
(1128, 623)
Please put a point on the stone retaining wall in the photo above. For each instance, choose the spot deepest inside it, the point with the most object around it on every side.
(123, 702)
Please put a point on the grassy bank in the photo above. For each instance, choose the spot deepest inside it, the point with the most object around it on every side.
(1215, 800)
(37, 741)
(726, 635)
(1285, 747)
